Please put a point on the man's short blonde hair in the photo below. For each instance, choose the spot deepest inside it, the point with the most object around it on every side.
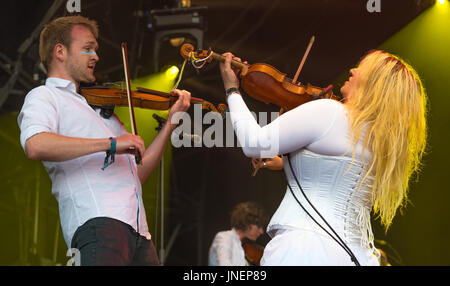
(59, 31)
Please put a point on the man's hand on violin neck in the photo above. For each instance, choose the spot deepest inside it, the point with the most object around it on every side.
(128, 143)
(181, 105)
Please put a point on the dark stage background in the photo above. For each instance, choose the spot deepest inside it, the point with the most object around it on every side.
(203, 184)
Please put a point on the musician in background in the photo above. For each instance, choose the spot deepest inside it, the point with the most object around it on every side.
(247, 221)
(100, 204)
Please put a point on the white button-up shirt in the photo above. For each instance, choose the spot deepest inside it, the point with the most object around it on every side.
(82, 189)
(226, 250)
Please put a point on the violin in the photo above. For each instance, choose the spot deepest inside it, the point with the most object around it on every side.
(265, 83)
(107, 98)
(102, 96)
(253, 251)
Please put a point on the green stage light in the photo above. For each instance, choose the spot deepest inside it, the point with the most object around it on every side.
(162, 81)
(172, 72)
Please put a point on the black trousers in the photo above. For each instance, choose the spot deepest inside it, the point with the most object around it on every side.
(110, 242)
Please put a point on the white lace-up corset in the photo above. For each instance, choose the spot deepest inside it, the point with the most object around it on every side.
(335, 190)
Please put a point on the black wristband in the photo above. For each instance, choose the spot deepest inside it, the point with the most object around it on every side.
(231, 90)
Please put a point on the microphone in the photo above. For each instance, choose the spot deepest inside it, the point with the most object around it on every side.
(160, 120)
(194, 137)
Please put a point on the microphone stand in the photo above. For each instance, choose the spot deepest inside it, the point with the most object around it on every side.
(161, 121)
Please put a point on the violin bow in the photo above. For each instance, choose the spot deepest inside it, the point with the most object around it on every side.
(130, 98)
(257, 167)
(300, 67)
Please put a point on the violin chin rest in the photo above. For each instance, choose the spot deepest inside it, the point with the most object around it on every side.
(107, 110)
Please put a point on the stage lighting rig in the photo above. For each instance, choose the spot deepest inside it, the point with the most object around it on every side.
(175, 26)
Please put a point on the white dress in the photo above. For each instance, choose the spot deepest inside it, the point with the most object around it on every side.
(317, 136)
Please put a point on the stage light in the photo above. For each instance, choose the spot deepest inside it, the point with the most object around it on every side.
(171, 27)
(172, 72)
(441, 1)
(176, 42)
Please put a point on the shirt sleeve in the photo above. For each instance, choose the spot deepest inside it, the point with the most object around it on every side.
(291, 131)
(121, 129)
(222, 246)
(38, 114)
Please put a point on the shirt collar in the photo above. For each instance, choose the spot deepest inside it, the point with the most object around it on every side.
(59, 82)
(235, 234)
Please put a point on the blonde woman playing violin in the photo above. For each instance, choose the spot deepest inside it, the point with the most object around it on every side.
(342, 161)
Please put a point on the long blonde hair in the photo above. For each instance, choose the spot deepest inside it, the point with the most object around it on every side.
(388, 107)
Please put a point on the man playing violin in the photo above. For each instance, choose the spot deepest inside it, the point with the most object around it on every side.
(247, 220)
(101, 209)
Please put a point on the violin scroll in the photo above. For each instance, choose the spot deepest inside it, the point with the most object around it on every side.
(187, 51)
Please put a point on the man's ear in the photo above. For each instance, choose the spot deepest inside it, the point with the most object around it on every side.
(60, 52)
